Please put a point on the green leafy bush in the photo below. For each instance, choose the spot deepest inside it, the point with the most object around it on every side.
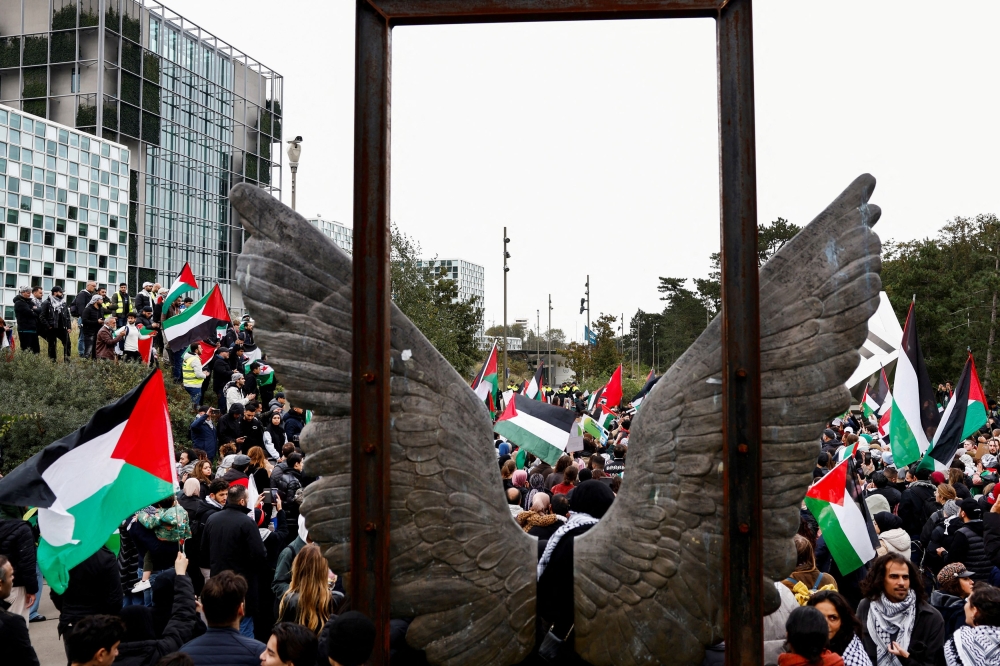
(131, 28)
(271, 119)
(86, 116)
(10, 51)
(131, 89)
(35, 83)
(250, 168)
(44, 401)
(36, 50)
(64, 46)
(89, 18)
(35, 107)
(110, 116)
(112, 19)
(64, 18)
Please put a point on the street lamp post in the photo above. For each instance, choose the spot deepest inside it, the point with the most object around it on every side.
(294, 152)
(506, 256)
(548, 344)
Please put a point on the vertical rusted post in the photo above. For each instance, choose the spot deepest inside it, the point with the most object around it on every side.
(743, 539)
(369, 584)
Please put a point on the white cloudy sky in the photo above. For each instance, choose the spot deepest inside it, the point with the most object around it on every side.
(595, 142)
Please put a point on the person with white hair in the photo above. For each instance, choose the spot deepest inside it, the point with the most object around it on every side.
(145, 297)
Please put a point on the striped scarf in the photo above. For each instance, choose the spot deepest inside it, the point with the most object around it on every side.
(575, 520)
(973, 646)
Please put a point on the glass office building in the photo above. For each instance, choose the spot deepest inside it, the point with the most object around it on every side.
(195, 115)
(64, 207)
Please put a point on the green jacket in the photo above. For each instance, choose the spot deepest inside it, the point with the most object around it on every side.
(283, 571)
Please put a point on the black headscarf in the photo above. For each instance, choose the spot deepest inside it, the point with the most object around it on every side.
(592, 497)
(887, 521)
(277, 433)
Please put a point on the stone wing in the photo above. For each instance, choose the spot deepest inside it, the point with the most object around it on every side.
(460, 566)
(648, 577)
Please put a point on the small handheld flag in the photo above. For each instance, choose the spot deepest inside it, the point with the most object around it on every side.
(847, 527)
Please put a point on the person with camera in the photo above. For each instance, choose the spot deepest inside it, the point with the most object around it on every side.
(203, 434)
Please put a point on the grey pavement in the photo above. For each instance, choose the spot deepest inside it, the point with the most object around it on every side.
(44, 635)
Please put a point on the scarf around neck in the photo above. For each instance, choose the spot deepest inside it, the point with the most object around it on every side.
(973, 646)
(57, 304)
(886, 619)
(575, 520)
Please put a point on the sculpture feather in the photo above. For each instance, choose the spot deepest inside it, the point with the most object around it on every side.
(648, 577)
(460, 566)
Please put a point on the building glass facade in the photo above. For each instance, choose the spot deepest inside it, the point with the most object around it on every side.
(64, 207)
(196, 115)
(341, 235)
(469, 277)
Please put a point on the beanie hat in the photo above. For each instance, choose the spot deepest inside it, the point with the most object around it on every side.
(350, 639)
(937, 478)
(951, 508)
(877, 503)
(236, 375)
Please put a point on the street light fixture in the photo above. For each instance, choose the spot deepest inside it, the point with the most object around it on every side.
(294, 152)
(506, 256)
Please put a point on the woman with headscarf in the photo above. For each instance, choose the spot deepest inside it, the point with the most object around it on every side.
(892, 537)
(519, 480)
(274, 435)
(536, 484)
(588, 504)
(503, 451)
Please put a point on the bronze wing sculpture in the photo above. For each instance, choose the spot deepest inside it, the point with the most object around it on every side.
(648, 578)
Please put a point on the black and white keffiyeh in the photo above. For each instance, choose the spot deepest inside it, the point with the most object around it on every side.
(973, 646)
(888, 622)
(575, 520)
(855, 654)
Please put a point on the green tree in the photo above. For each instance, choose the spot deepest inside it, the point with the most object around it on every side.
(513, 331)
(431, 302)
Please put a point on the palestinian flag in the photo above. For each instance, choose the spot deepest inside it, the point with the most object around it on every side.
(534, 389)
(914, 405)
(184, 283)
(486, 385)
(538, 428)
(604, 417)
(647, 387)
(964, 416)
(196, 322)
(88, 482)
(595, 399)
(873, 401)
(847, 528)
(613, 389)
(145, 345)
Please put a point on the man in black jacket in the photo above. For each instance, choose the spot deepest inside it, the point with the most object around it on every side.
(13, 628)
(26, 315)
(17, 544)
(229, 428)
(251, 428)
(905, 625)
(917, 503)
(221, 375)
(231, 542)
(882, 487)
(94, 589)
(145, 297)
(967, 546)
(58, 322)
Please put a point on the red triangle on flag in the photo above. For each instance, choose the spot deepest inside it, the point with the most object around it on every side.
(509, 411)
(832, 487)
(187, 276)
(207, 352)
(215, 306)
(147, 441)
(975, 388)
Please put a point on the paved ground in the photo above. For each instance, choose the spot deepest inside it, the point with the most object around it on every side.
(44, 636)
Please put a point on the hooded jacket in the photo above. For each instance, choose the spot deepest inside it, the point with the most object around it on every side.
(26, 314)
(913, 507)
(177, 632)
(952, 610)
(17, 544)
(968, 548)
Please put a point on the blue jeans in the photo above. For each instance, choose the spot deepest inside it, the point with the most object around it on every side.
(79, 343)
(176, 364)
(195, 394)
(147, 594)
(33, 613)
(246, 626)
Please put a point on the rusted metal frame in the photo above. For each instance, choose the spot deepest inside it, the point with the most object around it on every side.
(422, 12)
(743, 538)
(369, 581)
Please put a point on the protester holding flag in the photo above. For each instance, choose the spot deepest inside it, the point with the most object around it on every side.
(107, 339)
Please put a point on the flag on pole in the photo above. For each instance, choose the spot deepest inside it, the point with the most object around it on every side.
(914, 404)
(873, 400)
(589, 424)
(184, 283)
(89, 481)
(604, 417)
(145, 344)
(647, 387)
(964, 416)
(595, 399)
(589, 336)
(613, 389)
(196, 322)
(538, 428)
(534, 389)
(486, 385)
(846, 525)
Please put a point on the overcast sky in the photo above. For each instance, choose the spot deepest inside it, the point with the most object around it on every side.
(595, 143)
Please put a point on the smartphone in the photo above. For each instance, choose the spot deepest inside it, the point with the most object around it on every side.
(274, 495)
(180, 544)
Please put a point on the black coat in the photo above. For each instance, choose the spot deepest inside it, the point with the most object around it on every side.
(228, 429)
(891, 495)
(48, 316)
(253, 431)
(92, 320)
(143, 299)
(231, 542)
(177, 632)
(26, 314)
(952, 610)
(15, 640)
(221, 373)
(94, 589)
(81, 301)
(926, 639)
(968, 548)
(17, 544)
(224, 646)
(913, 507)
(293, 426)
(991, 537)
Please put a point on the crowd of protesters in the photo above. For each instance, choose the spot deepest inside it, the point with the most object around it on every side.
(225, 572)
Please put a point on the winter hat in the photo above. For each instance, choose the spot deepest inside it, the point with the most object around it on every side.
(236, 408)
(887, 458)
(236, 375)
(989, 461)
(877, 504)
(971, 508)
(938, 478)
(829, 434)
(849, 430)
(241, 460)
(951, 572)
(887, 521)
(951, 508)
(350, 638)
